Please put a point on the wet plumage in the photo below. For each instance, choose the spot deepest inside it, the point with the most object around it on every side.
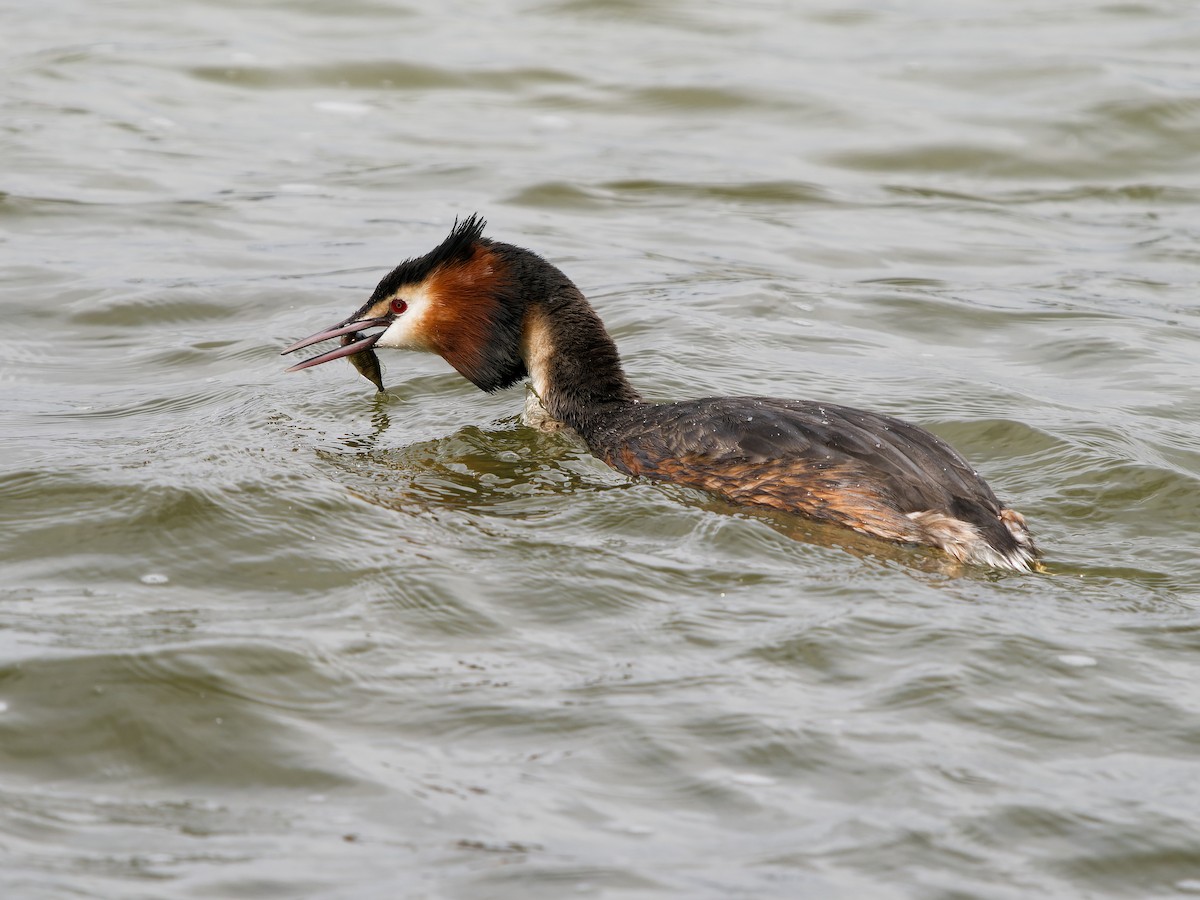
(499, 313)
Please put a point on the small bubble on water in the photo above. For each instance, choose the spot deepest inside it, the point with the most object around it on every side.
(1077, 660)
(750, 779)
(552, 123)
(154, 578)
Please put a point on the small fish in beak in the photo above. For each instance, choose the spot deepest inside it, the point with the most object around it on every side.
(366, 361)
(354, 344)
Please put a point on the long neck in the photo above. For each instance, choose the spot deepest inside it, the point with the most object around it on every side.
(573, 363)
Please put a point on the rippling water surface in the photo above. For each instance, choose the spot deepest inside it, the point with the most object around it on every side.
(274, 636)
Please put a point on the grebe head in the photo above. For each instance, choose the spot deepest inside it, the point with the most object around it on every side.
(462, 301)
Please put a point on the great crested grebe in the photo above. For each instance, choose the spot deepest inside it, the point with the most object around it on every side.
(499, 313)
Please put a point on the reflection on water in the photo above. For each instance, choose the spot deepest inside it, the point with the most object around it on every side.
(267, 635)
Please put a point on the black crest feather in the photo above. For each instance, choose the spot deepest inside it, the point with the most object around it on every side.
(455, 248)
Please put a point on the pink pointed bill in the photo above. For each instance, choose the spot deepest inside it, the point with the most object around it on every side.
(335, 331)
(348, 350)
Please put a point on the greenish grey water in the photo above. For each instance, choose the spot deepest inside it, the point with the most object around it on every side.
(272, 636)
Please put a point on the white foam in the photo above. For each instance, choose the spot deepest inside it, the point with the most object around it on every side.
(1077, 660)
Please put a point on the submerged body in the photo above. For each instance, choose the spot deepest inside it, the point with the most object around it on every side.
(499, 314)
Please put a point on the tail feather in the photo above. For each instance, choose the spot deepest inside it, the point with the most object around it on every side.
(965, 542)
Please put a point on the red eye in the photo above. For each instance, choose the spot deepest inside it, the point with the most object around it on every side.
(398, 306)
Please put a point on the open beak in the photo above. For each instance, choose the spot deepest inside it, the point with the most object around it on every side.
(337, 331)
